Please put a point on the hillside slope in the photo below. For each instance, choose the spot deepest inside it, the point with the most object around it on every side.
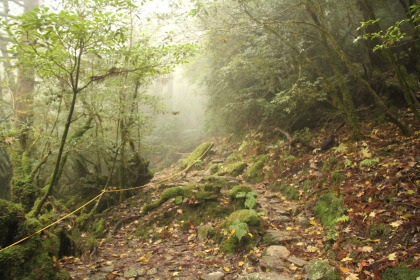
(259, 209)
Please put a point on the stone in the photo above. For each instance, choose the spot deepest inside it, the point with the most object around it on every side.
(152, 271)
(130, 272)
(272, 263)
(320, 270)
(302, 221)
(264, 276)
(278, 237)
(281, 219)
(213, 276)
(277, 251)
(296, 261)
(108, 268)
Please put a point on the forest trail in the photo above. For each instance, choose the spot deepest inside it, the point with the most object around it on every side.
(179, 253)
(367, 190)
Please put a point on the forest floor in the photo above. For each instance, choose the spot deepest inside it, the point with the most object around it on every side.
(377, 180)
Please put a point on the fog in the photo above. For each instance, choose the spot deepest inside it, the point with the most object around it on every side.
(180, 127)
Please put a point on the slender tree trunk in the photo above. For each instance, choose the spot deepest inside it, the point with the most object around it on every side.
(38, 205)
(337, 48)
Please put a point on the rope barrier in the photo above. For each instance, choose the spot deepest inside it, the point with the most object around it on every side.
(102, 193)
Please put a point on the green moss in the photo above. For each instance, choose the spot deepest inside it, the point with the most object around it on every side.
(321, 269)
(401, 273)
(291, 192)
(195, 155)
(236, 168)
(255, 174)
(246, 216)
(237, 189)
(328, 209)
(214, 168)
(219, 181)
(337, 176)
(202, 193)
(99, 228)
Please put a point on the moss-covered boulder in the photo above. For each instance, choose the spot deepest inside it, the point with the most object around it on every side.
(320, 270)
(235, 169)
(194, 156)
(242, 197)
(246, 216)
(239, 189)
(239, 230)
(31, 259)
(214, 168)
(255, 174)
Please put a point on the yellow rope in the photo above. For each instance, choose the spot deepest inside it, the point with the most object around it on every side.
(102, 193)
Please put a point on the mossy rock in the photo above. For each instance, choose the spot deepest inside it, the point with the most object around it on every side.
(214, 168)
(237, 189)
(235, 169)
(243, 220)
(255, 174)
(195, 155)
(220, 181)
(320, 270)
(328, 209)
(401, 273)
(246, 216)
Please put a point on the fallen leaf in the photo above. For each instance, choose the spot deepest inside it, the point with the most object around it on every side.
(392, 256)
(352, 277)
(226, 269)
(396, 223)
(346, 259)
(345, 269)
(367, 249)
(241, 263)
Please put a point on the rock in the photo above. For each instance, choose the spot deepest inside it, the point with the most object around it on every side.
(213, 276)
(277, 251)
(108, 268)
(320, 270)
(99, 276)
(130, 272)
(152, 271)
(264, 276)
(281, 219)
(302, 221)
(296, 261)
(272, 263)
(278, 237)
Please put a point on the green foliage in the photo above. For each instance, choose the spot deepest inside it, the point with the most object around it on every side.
(328, 209)
(394, 34)
(250, 198)
(401, 273)
(240, 229)
(368, 161)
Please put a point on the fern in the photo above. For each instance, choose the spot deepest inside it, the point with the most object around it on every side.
(240, 229)
(341, 148)
(368, 161)
(250, 198)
